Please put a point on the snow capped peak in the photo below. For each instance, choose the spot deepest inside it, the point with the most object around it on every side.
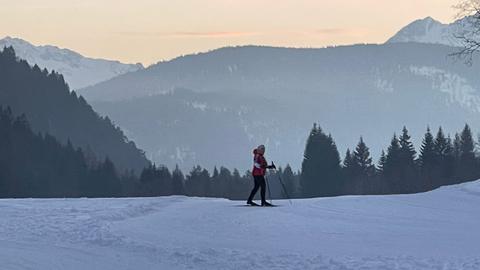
(429, 30)
(12, 39)
(429, 20)
(79, 71)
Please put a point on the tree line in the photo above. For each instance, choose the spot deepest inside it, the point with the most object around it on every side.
(66, 150)
(38, 165)
(221, 183)
(441, 160)
(35, 165)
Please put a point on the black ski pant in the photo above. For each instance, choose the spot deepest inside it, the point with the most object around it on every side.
(259, 183)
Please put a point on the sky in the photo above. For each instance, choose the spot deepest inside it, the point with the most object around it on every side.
(148, 31)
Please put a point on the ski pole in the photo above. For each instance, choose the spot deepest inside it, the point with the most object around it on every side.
(281, 183)
(268, 188)
(284, 189)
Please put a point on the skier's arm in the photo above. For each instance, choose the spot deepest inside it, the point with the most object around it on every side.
(271, 166)
(262, 162)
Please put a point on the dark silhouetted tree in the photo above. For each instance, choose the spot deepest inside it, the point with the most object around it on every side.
(321, 172)
(429, 162)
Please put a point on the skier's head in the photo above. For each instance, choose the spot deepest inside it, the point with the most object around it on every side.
(261, 149)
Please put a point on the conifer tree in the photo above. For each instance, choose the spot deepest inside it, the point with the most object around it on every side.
(366, 170)
(444, 152)
(178, 182)
(235, 190)
(215, 173)
(225, 179)
(350, 171)
(428, 161)
(467, 162)
(288, 178)
(408, 169)
(391, 168)
(457, 148)
(321, 173)
(380, 185)
(406, 147)
(381, 162)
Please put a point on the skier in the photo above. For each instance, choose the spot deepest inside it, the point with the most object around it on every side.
(260, 167)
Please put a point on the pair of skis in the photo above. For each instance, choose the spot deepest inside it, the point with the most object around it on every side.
(252, 204)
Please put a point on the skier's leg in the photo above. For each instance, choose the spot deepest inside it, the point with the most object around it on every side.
(263, 189)
(254, 190)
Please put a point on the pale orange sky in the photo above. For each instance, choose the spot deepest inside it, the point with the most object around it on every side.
(148, 31)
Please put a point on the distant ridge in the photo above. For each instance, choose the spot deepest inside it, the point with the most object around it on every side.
(243, 96)
(79, 71)
(429, 30)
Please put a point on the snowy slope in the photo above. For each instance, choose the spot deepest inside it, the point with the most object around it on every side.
(429, 30)
(435, 230)
(79, 71)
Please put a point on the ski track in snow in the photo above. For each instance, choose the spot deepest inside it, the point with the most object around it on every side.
(435, 230)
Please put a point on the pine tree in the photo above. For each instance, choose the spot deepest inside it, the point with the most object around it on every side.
(363, 162)
(379, 183)
(428, 162)
(234, 187)
(363, 159)
(288, 178)
(321, 173)
(215, 172)
(163, 178)
(310, 171)
(349, 164)
(225, 180)
(457, 148)
(467, 161)
(381, 162)
(444, 152)
(406, 147)
(350, 171)
(391, 168)
(178, 181)
(408, 171)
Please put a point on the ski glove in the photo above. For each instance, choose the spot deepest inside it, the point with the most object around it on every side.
(272, 166)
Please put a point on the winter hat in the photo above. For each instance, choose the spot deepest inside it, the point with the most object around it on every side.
(261, 147)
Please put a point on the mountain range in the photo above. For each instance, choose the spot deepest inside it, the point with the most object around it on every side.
(78, 71)
(212, 108)
(239, 97)
(429, 30)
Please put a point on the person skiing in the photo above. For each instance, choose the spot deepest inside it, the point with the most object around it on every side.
(260, 167)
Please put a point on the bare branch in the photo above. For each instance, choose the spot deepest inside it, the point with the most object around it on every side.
(469, 36)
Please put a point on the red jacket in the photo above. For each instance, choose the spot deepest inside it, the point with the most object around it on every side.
(259, 164)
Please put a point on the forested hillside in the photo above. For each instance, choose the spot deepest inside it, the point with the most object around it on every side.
(52, 108)
(272, 95)
(32, 165)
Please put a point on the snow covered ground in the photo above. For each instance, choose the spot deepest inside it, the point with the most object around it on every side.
(435, 230)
